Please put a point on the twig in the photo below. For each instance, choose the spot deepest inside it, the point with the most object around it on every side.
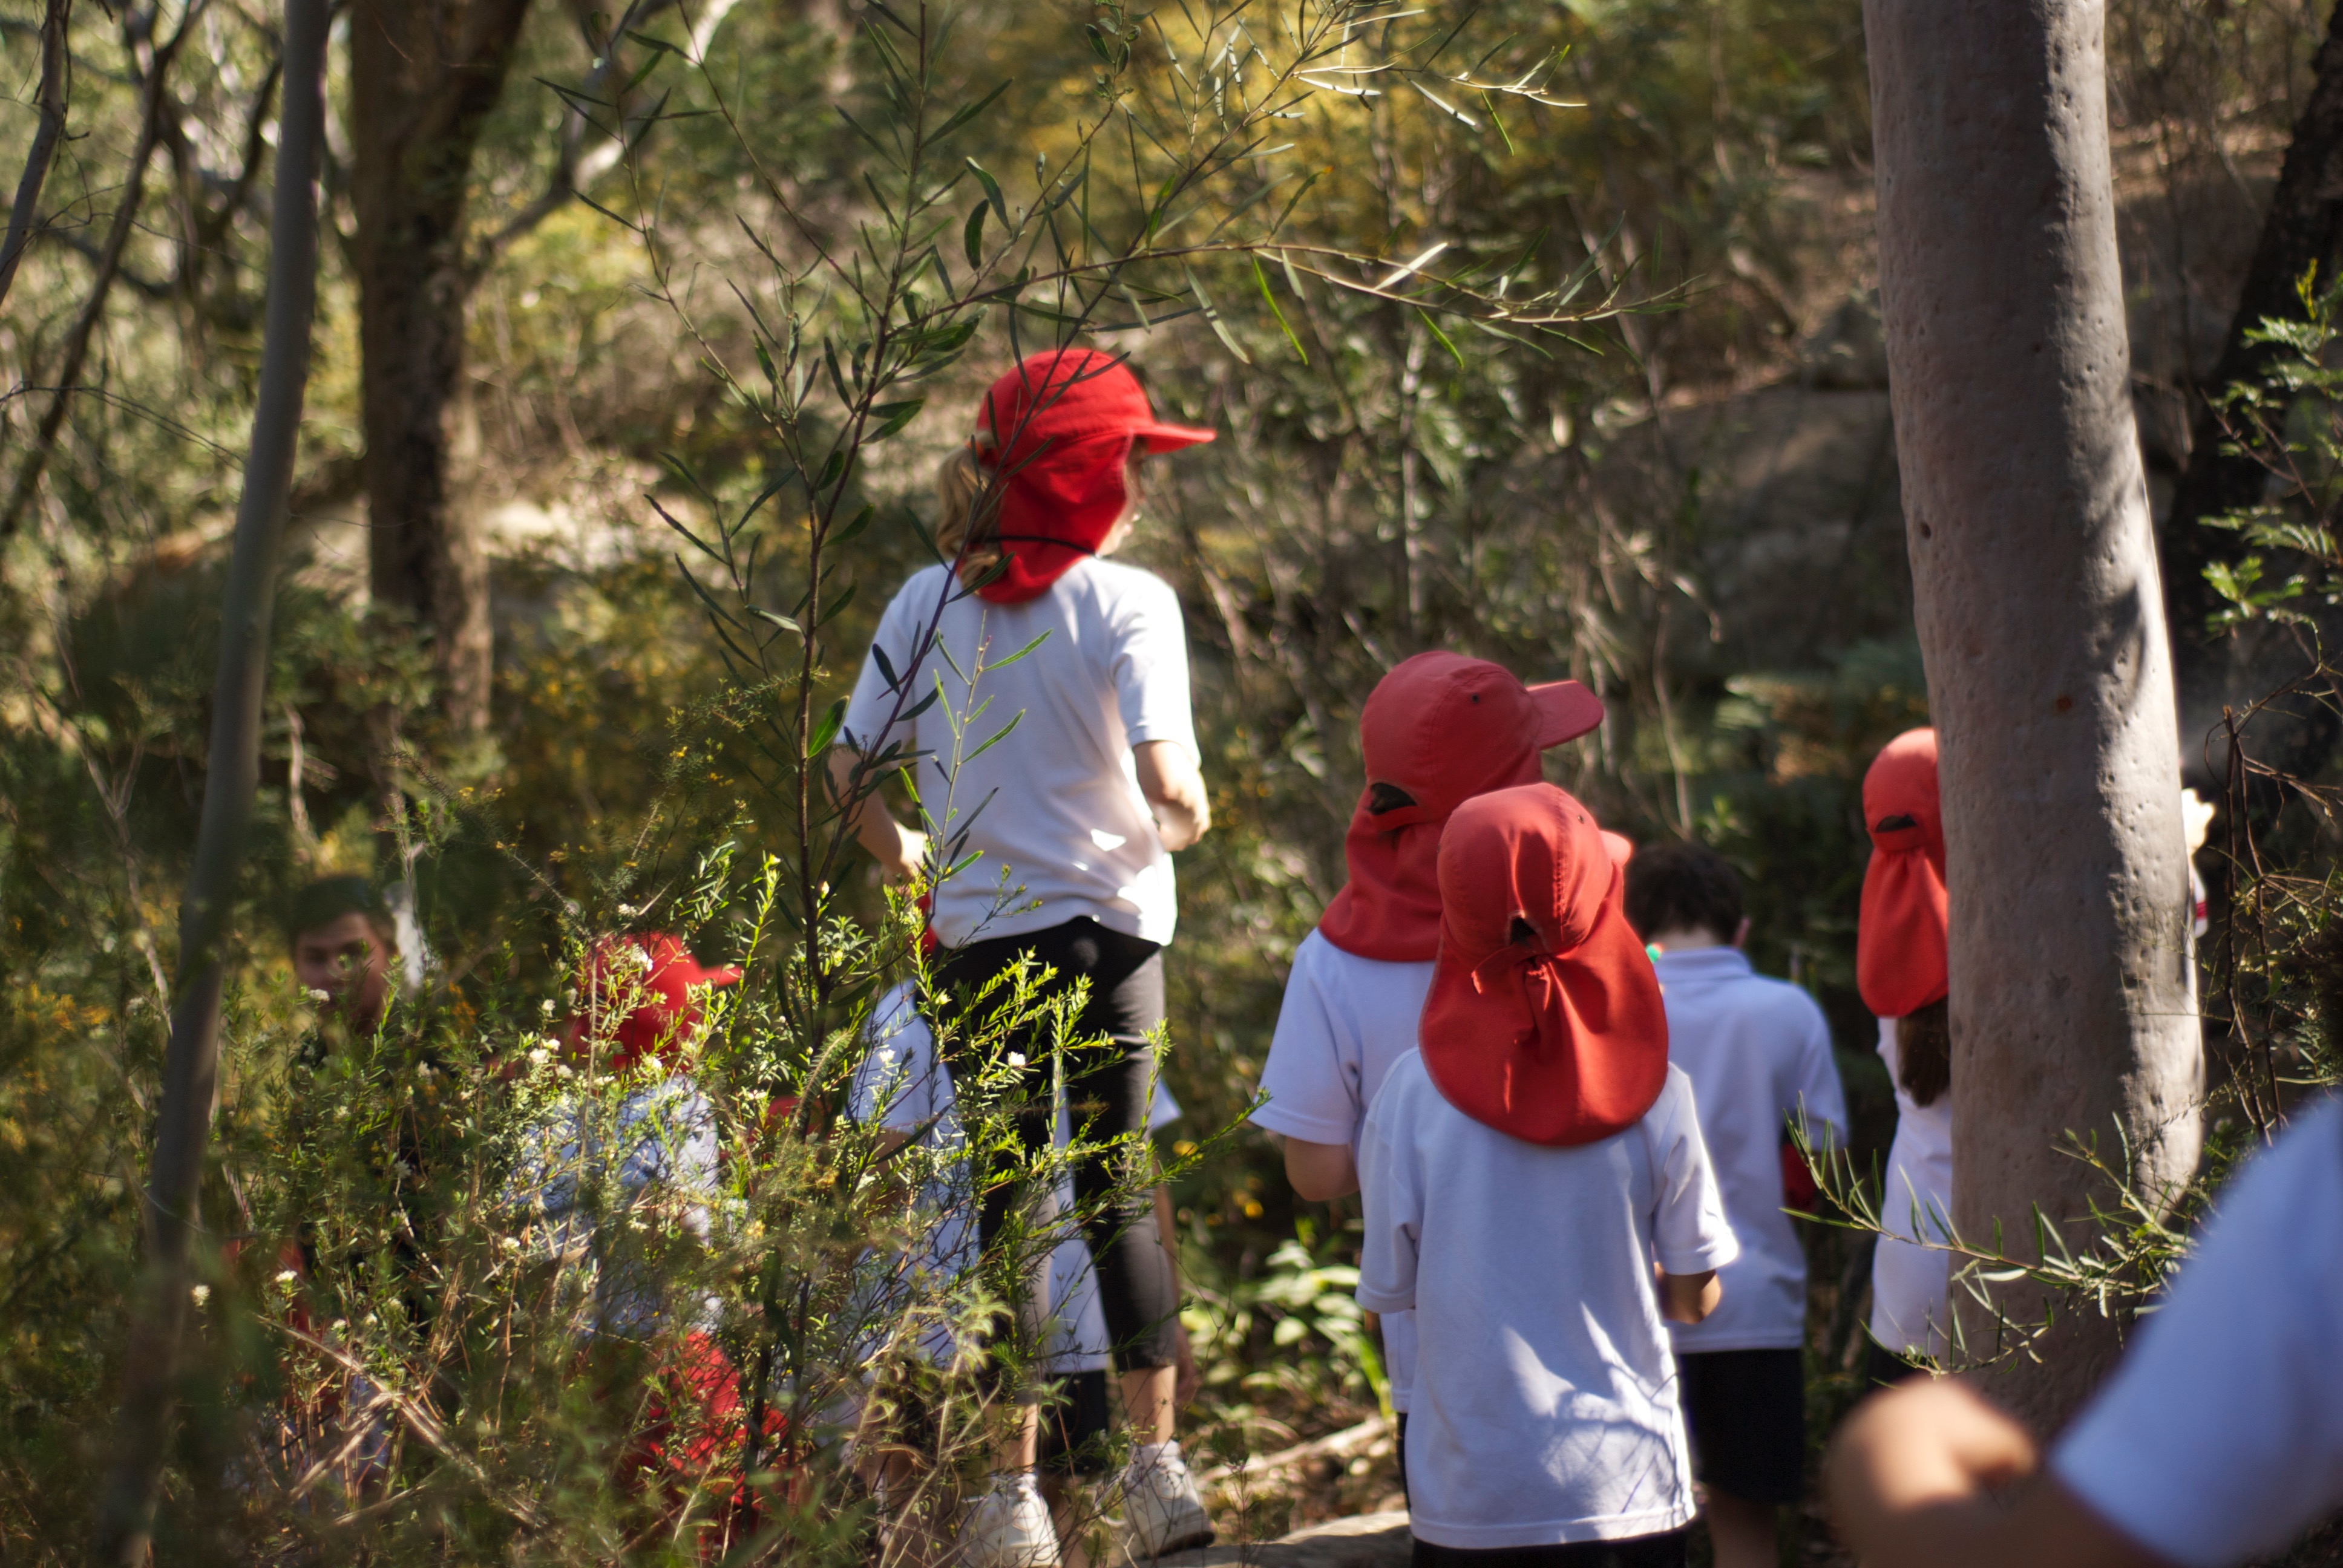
(56, 75)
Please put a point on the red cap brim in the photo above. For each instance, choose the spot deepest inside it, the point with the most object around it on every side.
(1566, 710)
(1172, 438)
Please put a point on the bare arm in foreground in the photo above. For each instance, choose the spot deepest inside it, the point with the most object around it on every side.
(1930, 1475)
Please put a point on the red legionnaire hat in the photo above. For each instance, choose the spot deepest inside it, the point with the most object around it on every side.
(1619, 847)
(1061, 425)
(1437, 730)
(636, 999)
(1543, 1020)
(1899, 943)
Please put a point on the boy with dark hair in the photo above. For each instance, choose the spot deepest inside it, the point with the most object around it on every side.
(1759, 1053)
(343, 940)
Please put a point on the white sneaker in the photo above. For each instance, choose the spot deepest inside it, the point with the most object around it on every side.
(1162, 1511)
(1010, 1526)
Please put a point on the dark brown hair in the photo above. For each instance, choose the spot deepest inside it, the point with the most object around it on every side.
(1683, 887)
(1924, 1053)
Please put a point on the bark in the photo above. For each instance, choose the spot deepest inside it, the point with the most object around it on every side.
(2303, 229)
(424, 75)
(232, 775)
(2041, 618)
(56, 69)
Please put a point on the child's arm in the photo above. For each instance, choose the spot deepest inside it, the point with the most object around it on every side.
(896, 849)
(1930, 1475)
(1169, 779)
(1688, 1298)
(1320, 1172)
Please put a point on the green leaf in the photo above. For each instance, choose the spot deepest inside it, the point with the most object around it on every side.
(892, 417)
(999, 735)
(1452, 351)
(1212, 315)
(827, 730)
(972, 238)
(1005, 663)
(853, 529)
(649, 42)
(777, 618)
(967, 113)
(1268, 299)
(991, 191)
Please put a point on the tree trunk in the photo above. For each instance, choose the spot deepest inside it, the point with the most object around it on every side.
(2041, 618)
(183, 1124)
(2303, 229)
(424, 75)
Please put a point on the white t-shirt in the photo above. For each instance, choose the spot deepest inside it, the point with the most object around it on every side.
(2220, 1437)
(1343, 1021)
(1759, 1053)
(1546, 1405)
(1066, 820)
(1908, 1282)
(902, 1085)
(649, 1161)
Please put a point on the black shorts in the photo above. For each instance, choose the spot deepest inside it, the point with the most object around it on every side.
(1638, 1551)
(1746, 1411)
(1074, 1426)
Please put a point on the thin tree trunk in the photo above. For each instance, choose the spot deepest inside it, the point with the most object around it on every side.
(150, 1364)
(2041, 617)
(56, 72)
(424, 75)
(2302, 229)
(109, 265)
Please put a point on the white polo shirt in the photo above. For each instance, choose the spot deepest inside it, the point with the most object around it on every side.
(1343, 1021)
(1758, 1053)
(1055, 806)
(2220, 1435)
(1546, 1402)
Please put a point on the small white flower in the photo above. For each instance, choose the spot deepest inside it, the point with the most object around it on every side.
(202, 1294)
(1016, 1059)
(285, 1276)
(320, 996)
(546, 1007)
(511, 1243)
(539, 1057)
(626, 909)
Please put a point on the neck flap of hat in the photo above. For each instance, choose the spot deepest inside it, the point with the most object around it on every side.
(1899, 945)
(637, 1003)
(1543, 1020)
(1061, 434)
(1389, 909)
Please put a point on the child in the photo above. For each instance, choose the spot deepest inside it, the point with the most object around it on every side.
(1437, 730)
(615, 1189)
(1899, 966)
(2218, 1439)
(343, 941)
(904, 1089)
(1537, 1191)
(1759, 1053)
(1074, 817)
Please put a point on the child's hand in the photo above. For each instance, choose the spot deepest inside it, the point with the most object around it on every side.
(1931, 1441)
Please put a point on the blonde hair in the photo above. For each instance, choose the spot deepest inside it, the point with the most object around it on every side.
(964, 529)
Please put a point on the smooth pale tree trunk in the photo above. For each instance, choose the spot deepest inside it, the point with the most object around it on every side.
(232, 775)
(424, 75)
(2041, 618)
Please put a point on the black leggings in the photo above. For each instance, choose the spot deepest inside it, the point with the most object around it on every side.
(1108, 1086)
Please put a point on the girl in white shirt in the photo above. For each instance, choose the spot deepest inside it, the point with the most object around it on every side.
(1073, 820)
(1538, 1192)
(1899, 966)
